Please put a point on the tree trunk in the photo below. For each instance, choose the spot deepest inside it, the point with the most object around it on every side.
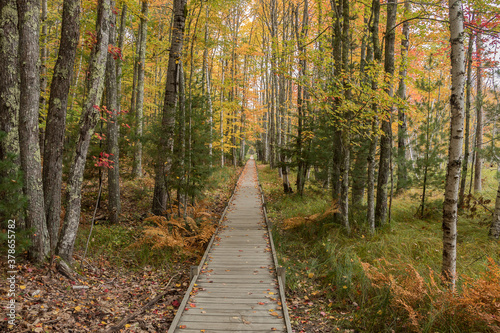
(29, 19)
(301, 97)
(456, 139)
(386, 138)
(359, 174)
(402, 173)
(10, 96)
(56, 117)
(43, 72)
(207, 92)
(479, 116)
(133, 98)
(88, 120)
(465, 165)
(141, 68)
(495, 225)
(114, 204)
(164, 163)
(119, 60)
(373, 53)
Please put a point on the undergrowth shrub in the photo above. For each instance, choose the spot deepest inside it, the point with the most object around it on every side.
(183, 233)
(422, 304)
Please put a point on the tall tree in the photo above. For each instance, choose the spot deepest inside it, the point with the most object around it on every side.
(141, 69)
(164, 162)
(56, 117)
(114, 204)
(88, 120)
(44, 54)
(386, 138)
(495, 224)
(300, 36)
(29, 56)
(373, 53)
(468, 89)
(9, 80)
(206, 85)
(479, 116)
(9, 93)
(456, 140)
(402, 174)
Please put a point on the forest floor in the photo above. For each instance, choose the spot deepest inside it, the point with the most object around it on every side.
(120, 275)
(329, 288)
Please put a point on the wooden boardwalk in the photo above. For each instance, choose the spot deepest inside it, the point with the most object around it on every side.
(236, 287)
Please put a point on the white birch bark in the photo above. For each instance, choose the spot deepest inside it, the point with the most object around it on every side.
(456, 139)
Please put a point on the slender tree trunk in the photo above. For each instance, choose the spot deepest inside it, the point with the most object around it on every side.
(461, 196)
(180, 147)
(44, 54)
(373, 53)
(386, 138)
(479, 116)
(119, 60)
(141, 68)
(346, 131)
(495, 225)
(456, 139)
(10, 95)
(164, 163)
(359, 174)
(133, 98)
(88, 120)
(221, 130)
(402, 173)
(56, 117)
(114, 204)
(31, 164)
(207, 92)
(301, 97)
(9, 82)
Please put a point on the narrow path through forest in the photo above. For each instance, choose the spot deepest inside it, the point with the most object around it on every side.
(237, 287)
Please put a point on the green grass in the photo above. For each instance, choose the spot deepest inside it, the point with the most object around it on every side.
(334, 258)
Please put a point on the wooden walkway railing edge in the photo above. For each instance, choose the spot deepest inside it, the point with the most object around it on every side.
(280, 270)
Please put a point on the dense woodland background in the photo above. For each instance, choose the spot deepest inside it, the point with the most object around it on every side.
(372, 110)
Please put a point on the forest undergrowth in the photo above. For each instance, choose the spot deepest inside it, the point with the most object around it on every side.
(389, 281)
(124, 268)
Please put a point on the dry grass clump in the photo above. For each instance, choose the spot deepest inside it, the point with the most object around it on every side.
(298, 221)
(423, 304)
(187, 234)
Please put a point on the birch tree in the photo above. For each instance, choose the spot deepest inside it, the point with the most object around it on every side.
(456, 139)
